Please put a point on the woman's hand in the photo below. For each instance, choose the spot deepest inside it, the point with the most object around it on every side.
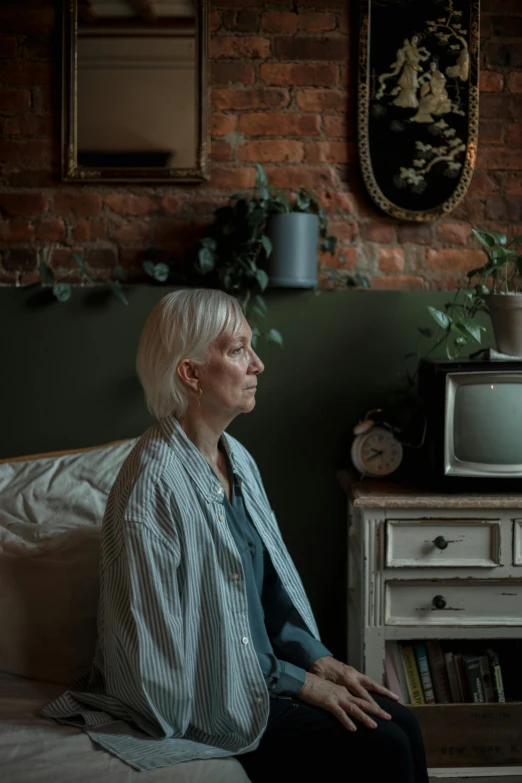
(356, 684)
(340, 702)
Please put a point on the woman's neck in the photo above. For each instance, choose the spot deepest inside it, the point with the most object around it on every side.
(204, 433)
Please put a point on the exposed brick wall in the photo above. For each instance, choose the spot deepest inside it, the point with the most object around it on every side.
(283, 94)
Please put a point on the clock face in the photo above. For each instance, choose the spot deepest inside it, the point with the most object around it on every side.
(377, 452)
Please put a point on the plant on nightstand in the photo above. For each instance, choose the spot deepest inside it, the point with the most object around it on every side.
(497, 293)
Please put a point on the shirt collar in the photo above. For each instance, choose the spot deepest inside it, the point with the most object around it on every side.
(194, 462)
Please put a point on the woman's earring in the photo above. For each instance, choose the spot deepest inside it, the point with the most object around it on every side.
(199, 394)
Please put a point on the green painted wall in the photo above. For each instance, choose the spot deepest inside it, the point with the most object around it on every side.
(68, 380)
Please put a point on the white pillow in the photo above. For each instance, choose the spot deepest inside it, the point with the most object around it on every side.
(51, 510)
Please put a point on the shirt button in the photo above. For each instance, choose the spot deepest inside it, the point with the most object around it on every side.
(259, 699)
(245, 639)
(221, 518)
(235, 576)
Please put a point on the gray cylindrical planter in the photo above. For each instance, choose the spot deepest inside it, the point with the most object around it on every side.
(293, 261)
(506, 318)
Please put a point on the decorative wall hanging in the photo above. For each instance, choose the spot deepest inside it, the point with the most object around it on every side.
(418, 103)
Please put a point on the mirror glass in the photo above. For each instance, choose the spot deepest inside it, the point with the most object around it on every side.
(137, 90)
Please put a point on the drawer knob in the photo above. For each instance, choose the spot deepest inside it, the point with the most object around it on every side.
(441, 542)
(439, 602)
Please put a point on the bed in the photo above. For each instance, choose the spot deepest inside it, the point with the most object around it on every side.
(51, 507)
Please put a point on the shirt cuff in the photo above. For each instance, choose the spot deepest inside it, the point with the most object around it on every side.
(311, 651)
(291, 679)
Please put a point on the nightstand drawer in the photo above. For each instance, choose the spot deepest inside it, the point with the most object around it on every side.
(433, 543)
(453, 602)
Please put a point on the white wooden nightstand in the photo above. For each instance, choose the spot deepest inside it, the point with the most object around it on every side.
(423, 566)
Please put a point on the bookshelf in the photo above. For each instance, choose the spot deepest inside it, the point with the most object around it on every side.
(432, 569)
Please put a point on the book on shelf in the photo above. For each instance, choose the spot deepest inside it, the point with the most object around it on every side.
(396, 653)
(451, 668)
(474, 679)
(439, 674)
(421, 672)
(390, 670)
(421, 656)
(485, 670)
(413, 680)
(461, 677)
(498, 685)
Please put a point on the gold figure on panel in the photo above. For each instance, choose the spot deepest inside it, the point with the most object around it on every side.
(434, 98)
(461, 68)
(407, 64)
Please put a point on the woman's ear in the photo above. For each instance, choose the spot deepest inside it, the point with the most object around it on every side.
(189, 373)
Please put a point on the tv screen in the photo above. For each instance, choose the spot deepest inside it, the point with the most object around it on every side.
(487, 419)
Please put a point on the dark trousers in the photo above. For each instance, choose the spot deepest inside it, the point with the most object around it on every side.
(306, 743)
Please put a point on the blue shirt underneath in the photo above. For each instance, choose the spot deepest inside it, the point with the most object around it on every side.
(284, 645)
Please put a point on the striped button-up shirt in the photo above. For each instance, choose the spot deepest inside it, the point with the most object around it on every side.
(175, 676)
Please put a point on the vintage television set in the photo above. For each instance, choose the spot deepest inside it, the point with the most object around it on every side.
(473, 422)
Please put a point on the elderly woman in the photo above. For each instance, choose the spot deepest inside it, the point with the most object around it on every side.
(207, 645)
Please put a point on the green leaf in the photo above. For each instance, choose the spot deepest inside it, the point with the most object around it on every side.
(482, 290)
(329, 245)
(499, 237)
(499, 255)
(281, 197)
(119, 272)
(461, 340)
(46, 273)
(425, 331)
(148, 266)
(267, 245)
(206, 260)
(262, 278)
(117, 289)
(487, 239)
(441, 318)
(161, 272)
(78, 261)
(259, 302)
(517, 239)
(471, 327)
(256, 333)
(209, 242)
(361, 281)
(45, 254)
(303, 201)
(62, 291)
(261, 178)
(273, 336)
(264, 194)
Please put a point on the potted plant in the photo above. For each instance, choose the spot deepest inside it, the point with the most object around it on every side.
(266, 239)
(497, 292)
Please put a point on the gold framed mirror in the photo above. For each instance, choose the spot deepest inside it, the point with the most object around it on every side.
(134, 91)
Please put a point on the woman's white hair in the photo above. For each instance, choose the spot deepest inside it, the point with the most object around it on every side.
(182, 325)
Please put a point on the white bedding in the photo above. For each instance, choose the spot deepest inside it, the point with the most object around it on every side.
(35, 750)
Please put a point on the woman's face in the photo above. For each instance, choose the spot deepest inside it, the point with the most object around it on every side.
(229, 380)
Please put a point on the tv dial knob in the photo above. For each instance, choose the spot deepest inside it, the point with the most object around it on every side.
(441, 542)
(439, 602)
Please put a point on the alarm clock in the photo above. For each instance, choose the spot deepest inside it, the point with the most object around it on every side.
(376, 451)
